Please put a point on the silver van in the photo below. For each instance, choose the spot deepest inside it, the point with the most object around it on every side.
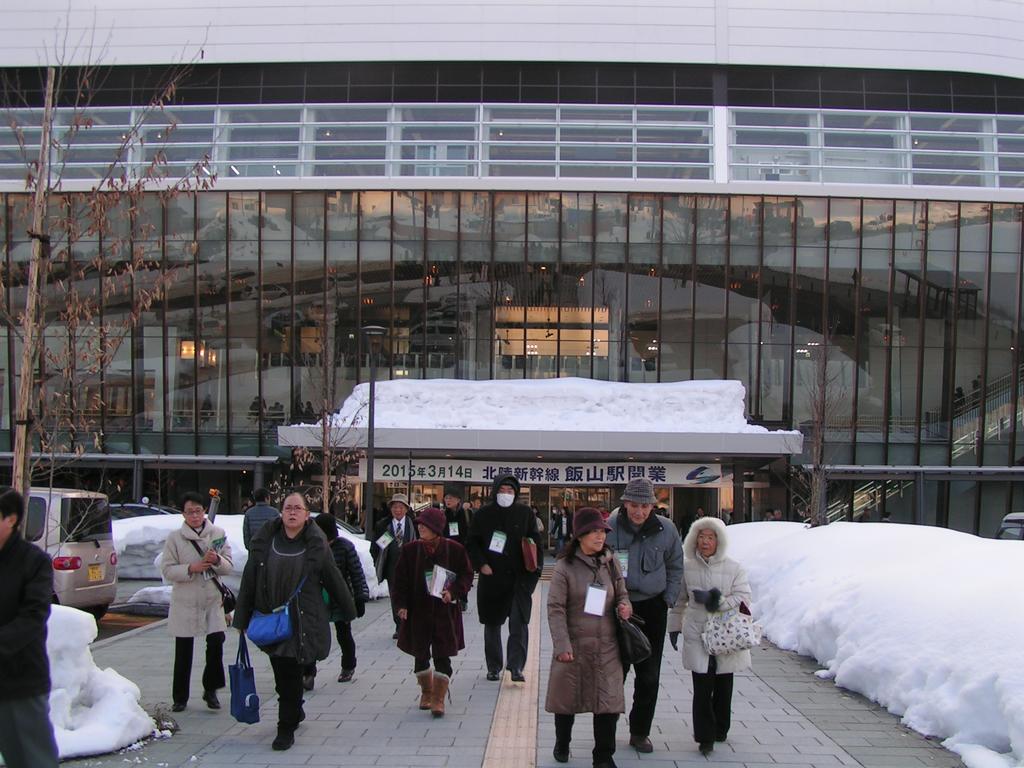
(1012, 527)
(73, 528)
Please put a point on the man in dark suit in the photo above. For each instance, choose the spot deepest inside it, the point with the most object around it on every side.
(389, 535)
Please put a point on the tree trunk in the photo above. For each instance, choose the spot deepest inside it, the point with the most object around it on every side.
(23, 414)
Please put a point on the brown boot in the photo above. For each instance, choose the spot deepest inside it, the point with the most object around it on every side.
(427, 684)
(440, 691)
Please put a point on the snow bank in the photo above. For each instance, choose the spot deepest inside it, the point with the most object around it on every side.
(139, 541)
(376, 588)
(152, 596)
(93, 710)
(566, 404)
(925, 621)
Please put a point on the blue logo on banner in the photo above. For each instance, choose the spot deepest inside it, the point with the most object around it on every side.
(698, 477)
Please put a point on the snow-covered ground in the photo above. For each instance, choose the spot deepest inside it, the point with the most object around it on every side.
(93, 710)
(567, 404)
(927, 622)
(139, 541)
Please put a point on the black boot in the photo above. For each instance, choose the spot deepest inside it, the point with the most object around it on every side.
(284, 740)
(563, 735)
(604, 740)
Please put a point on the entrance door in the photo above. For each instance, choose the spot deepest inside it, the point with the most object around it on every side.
(575, 496)
(687, 502)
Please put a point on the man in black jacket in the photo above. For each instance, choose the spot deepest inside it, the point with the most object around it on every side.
(505, 591)
(26, 589)
(259, 514)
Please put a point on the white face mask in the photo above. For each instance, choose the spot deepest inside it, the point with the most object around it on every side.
(505, 499)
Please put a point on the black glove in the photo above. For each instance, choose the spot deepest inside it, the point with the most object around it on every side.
(714, 600)
(360, 609)
(701, 596)
(673, 637)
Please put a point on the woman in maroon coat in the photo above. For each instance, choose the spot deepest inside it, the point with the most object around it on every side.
(431, 625)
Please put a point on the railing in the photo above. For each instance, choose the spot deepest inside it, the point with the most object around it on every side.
(538, 141)
(373, 140)
(862, 147)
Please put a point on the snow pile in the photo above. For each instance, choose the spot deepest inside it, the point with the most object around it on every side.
(376, 588)
(152, 596)
(567, 404)
(139, 542)
(93, 710)
(925, 621)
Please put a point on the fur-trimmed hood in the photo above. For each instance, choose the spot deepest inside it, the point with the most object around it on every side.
(701, 524)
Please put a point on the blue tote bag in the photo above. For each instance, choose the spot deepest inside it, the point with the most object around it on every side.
(245, 702)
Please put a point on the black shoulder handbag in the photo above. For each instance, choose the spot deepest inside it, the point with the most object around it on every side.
(634, 646)
(227, 597)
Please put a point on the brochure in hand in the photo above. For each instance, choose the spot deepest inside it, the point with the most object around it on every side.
(439, 579)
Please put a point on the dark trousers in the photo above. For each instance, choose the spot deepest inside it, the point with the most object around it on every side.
(518, 632)
(26, 736)
(213, 671)
(347, 643)
(654, 612)
(288, 684)
(712, 705)
(442, 664)
(604, 734)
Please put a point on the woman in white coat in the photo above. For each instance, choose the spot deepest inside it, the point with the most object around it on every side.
(711, 582)
(192, 556)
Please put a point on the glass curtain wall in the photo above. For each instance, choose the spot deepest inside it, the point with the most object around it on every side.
(250, 301)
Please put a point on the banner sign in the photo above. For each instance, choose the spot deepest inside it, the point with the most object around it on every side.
(546, 473)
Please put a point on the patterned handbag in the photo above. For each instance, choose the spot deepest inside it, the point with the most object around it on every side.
(730, 631)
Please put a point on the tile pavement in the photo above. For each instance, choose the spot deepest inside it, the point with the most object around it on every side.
(783, 715)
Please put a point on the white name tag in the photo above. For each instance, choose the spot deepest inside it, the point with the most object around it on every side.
(595, 600)
(385, 540)
(623, 558)
(453, 529)
(498, 539)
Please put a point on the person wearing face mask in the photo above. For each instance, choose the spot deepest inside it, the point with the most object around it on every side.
(505, 590)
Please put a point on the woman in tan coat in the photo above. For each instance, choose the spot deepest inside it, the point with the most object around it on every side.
(192, 556)
(587, 589)
(712, 582)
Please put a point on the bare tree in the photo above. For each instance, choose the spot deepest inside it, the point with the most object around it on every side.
(321, 349)
(825, 390)
(68, 338)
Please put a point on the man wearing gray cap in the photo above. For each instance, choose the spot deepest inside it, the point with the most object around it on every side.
(390, 535)
(651, 555)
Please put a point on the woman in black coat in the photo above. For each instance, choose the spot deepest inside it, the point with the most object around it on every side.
(347, 560)
(290, 554)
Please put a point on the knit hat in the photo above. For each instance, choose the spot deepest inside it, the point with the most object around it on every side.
(588, 519)
(433, 518)
(402, 499)
(454, 489)
(640, 491)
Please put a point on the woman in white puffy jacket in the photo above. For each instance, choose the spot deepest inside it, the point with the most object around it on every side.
(711, 582)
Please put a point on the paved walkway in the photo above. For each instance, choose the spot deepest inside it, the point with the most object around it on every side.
(783, 715)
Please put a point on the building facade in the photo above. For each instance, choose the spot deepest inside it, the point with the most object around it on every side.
(582, 205)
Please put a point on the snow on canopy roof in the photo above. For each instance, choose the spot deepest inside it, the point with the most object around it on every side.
(566, 404)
